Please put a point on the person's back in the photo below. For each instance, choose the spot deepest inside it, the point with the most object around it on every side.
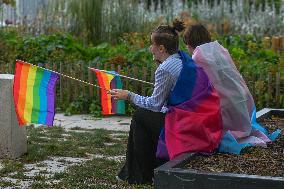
(238, 110)
(236, 100)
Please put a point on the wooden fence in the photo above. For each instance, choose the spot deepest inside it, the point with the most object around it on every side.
(70, 90)
(267, 89)
(273, 81)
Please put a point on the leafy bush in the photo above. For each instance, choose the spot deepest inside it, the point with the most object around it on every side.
(95, 108)
(255, 63)
(8, 42)
(80, 105)
(253, 60)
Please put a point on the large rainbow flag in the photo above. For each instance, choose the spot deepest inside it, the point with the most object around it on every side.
(107, 81)
(34, 94)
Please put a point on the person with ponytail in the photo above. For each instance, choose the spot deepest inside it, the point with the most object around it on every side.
(182, 114)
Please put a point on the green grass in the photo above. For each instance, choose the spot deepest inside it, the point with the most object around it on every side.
(6, 183)
(10, 166)
(99, 173)
(74, 145)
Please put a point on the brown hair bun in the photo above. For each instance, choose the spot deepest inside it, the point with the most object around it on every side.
(178, 25)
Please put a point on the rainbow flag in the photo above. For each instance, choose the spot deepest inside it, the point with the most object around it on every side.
(34, 94)
(109, 81)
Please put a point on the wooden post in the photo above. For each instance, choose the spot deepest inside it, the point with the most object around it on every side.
(82, 76)
(10, 68)
(119, 72)
(281, 63)
(126, 86)
(281, 43)
(135, 74)
(98, 91)
(127, 71)
(72, 90)
(105, 66)
(275, 43)
(277, 91)
(112, 67)
(54, 67)
(269, 88)
(61, 84)
(253, 86)
(266, 42)
(75, 72)
(144, 78)
(119, 69)
(68, 86)
(152, 79)
(47, 65)
(91, 80)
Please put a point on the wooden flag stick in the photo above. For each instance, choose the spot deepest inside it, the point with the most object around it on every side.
(121, 76)
(87, 83)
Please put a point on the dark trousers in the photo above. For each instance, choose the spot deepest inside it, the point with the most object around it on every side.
(141, 148)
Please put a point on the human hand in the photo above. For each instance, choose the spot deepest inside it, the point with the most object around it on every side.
(119, 94)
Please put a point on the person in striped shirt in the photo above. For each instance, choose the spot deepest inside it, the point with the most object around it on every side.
(149, 118)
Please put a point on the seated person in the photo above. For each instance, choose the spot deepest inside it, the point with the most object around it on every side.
(237, 105)
(184, 107)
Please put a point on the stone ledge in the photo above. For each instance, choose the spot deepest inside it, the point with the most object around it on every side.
(172, 175)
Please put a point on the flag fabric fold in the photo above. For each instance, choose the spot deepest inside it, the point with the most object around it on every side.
(193, 122)
(238, 109)
(34, 94)
(107, 81)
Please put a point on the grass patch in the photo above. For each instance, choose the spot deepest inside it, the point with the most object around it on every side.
(74, 145)
(77, 128)
(97, 173)
(6, 183)
(10, 166)
(20, 175)
(39, 184)
(44, 142)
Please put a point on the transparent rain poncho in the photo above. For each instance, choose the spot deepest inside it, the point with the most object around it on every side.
(240, 128)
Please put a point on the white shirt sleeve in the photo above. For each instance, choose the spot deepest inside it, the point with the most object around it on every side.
(163, 84)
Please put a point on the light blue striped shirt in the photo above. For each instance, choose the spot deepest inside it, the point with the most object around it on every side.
(166, 77)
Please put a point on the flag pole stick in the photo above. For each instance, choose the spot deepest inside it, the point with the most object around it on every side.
(87, 83)
(122, 76)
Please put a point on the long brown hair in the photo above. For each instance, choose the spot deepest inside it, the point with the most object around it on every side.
(196, 35)
(167, 36)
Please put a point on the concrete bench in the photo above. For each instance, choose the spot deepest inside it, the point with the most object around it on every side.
(13, 138)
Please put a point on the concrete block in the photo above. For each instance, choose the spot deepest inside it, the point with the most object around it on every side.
(13, 138)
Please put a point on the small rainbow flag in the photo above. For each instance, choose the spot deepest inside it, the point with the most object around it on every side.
(109, 80)
(34, 94)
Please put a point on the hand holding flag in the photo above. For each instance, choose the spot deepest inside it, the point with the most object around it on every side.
(119, 94)
(109, 81)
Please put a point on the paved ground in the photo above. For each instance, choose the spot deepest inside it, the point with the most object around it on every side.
(116, 123)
